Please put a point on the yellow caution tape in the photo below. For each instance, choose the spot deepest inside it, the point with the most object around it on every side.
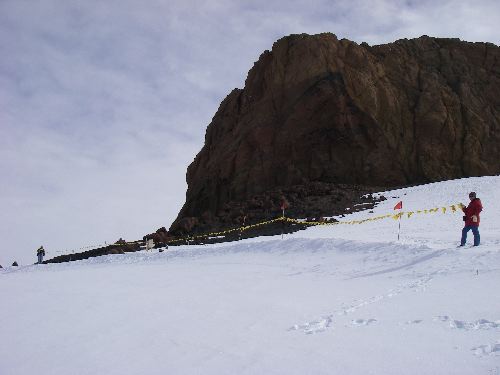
(453, 208)
(397, 216)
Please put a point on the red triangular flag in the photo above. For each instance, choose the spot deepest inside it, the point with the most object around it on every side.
(399, 206)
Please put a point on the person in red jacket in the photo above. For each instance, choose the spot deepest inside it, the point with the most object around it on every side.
(471, 219)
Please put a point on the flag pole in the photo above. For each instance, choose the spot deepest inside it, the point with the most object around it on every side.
(283, 221)
(284, 205)
(399, 206)
(241, 228)
(399, 226)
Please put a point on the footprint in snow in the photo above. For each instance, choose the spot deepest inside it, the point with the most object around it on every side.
(478, 324)
(315, 326)
(487, 350)
(417, 321)
(462, 324)
(363, 322)
(442, 318)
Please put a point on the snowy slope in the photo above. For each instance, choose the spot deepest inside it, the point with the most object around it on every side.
(344, 299)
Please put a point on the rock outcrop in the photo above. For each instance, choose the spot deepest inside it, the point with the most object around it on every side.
(329, 115)
(119, 247)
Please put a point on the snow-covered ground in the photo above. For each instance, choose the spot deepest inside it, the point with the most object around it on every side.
(343, 299)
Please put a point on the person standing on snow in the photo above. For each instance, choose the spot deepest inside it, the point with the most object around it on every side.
(471, 219)
(40, 253)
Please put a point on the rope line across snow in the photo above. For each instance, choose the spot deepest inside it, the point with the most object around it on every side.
(403, 214)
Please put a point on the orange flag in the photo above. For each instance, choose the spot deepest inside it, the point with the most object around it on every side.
(399, 206)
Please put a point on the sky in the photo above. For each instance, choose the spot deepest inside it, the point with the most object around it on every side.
(104, 104)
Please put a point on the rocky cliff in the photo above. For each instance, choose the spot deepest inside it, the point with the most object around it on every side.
(322, 121)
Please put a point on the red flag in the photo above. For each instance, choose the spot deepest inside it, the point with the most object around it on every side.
(284, 203)
(399, 206)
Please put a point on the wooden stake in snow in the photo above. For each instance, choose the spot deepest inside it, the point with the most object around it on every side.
(242, 226)
(283, 205)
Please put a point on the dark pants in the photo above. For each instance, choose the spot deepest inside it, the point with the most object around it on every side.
(475, 232)
(40, 258)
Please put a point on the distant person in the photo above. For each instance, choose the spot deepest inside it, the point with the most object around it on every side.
(471, 219)
(40, 253)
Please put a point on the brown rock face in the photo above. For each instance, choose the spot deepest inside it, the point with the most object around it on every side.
(318, 110)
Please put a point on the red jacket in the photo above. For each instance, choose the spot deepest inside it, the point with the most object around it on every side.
(472, 213)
